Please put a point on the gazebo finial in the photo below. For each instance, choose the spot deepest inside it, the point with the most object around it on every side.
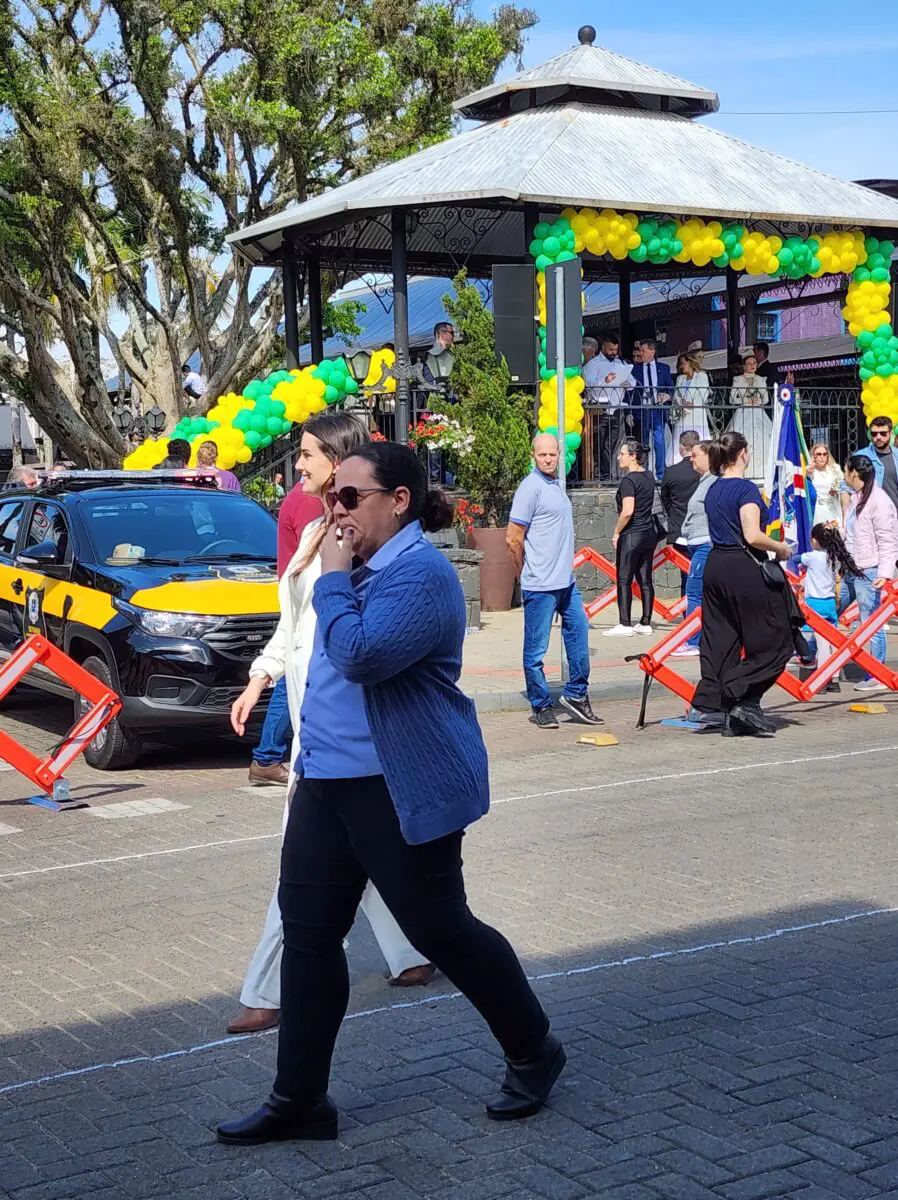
(586, 35)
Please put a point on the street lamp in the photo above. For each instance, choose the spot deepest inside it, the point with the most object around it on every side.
(155, 418)
(359, 365)
(122, 418)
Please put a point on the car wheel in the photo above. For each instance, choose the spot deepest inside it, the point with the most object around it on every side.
(114, 747)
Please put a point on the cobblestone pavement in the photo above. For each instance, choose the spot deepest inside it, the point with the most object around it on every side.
(712, 926)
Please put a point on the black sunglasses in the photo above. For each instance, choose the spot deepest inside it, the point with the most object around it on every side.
(350, 497)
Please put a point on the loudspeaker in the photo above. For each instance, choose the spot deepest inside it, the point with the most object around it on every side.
(515, 319)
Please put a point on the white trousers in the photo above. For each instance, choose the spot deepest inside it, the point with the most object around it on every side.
(262, 986)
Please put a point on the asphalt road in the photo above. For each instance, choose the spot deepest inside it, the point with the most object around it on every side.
(711, 924)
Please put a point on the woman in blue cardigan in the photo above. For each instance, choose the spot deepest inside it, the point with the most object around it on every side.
(382, 707)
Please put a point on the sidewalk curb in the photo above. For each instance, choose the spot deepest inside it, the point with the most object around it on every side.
(486, 702)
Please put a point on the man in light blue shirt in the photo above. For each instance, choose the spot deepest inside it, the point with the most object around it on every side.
(540, 541)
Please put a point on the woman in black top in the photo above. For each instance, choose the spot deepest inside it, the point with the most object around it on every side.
(634, 538)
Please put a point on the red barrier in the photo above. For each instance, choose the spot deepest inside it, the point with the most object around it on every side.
(845, 648)
(666, 554)
(105, 705)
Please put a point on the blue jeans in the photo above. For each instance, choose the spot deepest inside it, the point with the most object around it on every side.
(274, 740)
(694, 581)
(860, 588)
(654, 423)
(539, 610)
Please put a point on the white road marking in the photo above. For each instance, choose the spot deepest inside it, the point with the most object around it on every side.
(136, 808)
(99, 862)
(595, 787)
(606, 965)
(763, 765)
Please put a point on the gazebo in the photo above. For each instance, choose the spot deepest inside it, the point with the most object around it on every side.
(586, 132)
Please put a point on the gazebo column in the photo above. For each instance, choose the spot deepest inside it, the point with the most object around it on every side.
(623, 308)
(734, 330)
(291, 318)
(316, 324)
(400, 321)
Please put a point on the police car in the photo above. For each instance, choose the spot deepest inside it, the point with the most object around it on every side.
(158, 583)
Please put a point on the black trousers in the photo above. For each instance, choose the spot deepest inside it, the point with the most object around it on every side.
(635, 551)
(610, 425)
(746, 632)
(340, 833)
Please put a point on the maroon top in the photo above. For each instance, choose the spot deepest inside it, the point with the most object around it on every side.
(297, 511)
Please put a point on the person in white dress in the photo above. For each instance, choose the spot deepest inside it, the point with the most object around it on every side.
(691, 396)
(827, 478)
(327, 439)
(748, 396)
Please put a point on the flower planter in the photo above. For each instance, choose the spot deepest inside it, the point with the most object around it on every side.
(497, 574)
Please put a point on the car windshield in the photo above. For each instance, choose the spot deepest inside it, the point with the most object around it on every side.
(175, 526)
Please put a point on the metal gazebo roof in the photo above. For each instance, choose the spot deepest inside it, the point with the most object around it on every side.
(584, 136)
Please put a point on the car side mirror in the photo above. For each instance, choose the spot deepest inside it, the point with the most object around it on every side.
(42, 554)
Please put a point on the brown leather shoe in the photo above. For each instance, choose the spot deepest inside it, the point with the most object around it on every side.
(255, 1020)
(415, 976)
(276, 773)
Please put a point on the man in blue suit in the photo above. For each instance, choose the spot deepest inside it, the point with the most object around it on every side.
(653, 394)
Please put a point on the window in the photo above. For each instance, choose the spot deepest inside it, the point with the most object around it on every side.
(190, 523)
(10, 518)
(768, 327)
(48, 525)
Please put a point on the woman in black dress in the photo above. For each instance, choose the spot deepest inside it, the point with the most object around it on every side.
(747, 632)
(634, 539)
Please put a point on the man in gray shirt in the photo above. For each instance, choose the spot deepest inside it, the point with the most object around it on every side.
(540, 541)
(884, 457)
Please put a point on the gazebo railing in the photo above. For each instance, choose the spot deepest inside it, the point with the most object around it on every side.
(831, 415)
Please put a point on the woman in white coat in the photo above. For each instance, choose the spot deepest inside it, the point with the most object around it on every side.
(327, 439)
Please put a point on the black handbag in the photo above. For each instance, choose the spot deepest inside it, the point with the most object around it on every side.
(775, 578)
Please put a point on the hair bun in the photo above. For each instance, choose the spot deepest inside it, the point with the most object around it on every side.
(437, 511)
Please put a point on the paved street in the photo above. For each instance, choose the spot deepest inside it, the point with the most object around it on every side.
(711, 923)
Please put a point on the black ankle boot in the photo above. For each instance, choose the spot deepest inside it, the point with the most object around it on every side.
(528, 1082)
(279, 1120)
(749, 718)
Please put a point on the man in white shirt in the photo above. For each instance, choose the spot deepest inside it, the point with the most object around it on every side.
(193, 383)
(607, 378)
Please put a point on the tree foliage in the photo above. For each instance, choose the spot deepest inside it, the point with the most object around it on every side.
(500, 420)
(136, 134)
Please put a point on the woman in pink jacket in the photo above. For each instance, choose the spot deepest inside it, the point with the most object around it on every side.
(871, 533)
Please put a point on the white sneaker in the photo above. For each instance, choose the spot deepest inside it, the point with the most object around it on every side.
(870, 685)
(685, 652)
(619, 631)
(643, 629)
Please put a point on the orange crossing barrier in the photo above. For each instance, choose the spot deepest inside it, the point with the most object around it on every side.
(666, 554)
(105, 705)
(845, 648)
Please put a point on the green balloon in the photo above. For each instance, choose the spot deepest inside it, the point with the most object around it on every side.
(351, 387)
(545, 373)
(565, 256)
(263, 408)
(865, 373)
(266, 440)
(884, 370)
(536, 248)
(865, 338)
(722, 260)
(887, 249)
(331, 395)
(860, 275)
(639, 254)
(884, 330)
(572, 441)
(278, 408)
(253, 439)
(541, 231)
(252, 389)
(646, 229)
(542, 262)
(286, 425)
(258, 423)
(785, 257)
(880, 275)
(273, 425)
(551, 246)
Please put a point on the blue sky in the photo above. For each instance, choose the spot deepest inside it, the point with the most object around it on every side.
(787, 56)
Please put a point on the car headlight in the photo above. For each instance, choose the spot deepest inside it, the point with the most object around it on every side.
(169, 624)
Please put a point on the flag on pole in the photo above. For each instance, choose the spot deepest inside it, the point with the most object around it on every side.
(792, 496)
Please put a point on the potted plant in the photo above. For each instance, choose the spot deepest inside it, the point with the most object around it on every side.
(495, 430)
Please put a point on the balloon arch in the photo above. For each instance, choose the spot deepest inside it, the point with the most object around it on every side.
(267, 408)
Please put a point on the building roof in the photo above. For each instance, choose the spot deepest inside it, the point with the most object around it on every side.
(585, 129)
(593, 74)
(628, 160)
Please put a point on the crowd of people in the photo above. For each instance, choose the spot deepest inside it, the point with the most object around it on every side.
(644, 400)
(709, 506)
